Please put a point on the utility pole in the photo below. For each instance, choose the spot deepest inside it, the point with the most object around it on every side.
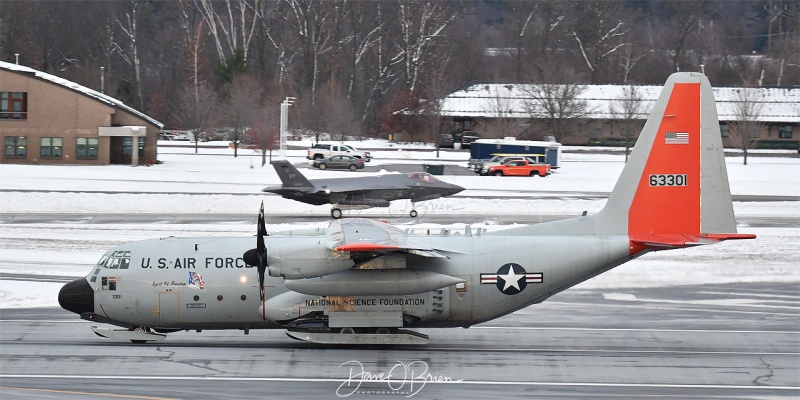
(284, 120)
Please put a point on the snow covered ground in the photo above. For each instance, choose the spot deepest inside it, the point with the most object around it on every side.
(215, 182)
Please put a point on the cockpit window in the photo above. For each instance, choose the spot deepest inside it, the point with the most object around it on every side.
(422, 177)
(117, 260)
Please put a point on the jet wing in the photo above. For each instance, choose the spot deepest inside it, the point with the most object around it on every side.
(364, 235)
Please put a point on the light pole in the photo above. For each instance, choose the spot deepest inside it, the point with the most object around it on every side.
(284, 119)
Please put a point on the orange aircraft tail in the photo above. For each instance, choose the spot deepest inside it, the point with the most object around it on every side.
(673, 191)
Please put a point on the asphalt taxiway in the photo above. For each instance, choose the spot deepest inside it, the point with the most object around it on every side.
(707, 341)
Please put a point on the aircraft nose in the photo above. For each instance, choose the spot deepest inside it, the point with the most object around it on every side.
(77, 296)
(455, 189)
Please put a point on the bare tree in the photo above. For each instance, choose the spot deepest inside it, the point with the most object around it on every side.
(745, 132)
(363, 36)
(550, 17)
(523, 12)
(338, 115)
(559, 105)
(128, 24)
(240, 111)
(234, 27)
(436, 90)
(421, 24)
(599, 33)
(196, 110)
(504, 122)
(316, 23)
(628, 110)
(629, 57)
(381, 70)
(264, 132)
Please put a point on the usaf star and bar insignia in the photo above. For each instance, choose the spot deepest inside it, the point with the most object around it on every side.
(511, 278)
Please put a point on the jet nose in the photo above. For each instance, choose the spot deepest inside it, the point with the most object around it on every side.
(77, 296)
(455, 189)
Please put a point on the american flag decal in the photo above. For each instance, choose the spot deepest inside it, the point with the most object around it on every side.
(196, 280)
(676, 138)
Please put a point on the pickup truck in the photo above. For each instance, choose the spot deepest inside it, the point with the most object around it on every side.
(520, 168)
(324, 150)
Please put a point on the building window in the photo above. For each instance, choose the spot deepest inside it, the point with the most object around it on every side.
(723, 129)
(127, 143)
(14, 105)
(16, 146)
(785, 132)
(51, 147)
(86, 148)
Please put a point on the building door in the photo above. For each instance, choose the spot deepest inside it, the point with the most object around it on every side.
(116, 151)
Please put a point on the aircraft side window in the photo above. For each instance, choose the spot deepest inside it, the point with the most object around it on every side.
(114, 263)
(94, 279)
(124, 263)
(102, 262)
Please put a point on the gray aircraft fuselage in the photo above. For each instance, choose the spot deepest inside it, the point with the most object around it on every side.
(160, 287)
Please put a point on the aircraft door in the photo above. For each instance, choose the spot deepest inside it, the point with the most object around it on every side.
(461, 298)
(169, 307)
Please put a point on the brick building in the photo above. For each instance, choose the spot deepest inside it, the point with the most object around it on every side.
(45, 119)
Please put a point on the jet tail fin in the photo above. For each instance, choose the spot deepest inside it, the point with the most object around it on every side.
(673, 191)
(290, 176)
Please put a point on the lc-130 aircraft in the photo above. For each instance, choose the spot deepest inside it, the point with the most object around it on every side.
(359, 192)
(358, 281)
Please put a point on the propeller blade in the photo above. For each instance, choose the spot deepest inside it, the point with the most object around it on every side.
(258, 257)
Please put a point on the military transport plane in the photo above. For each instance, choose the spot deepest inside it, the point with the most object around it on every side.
(358, 281)
(360, 192)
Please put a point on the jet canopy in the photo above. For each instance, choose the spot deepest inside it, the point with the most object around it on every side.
(423, 177)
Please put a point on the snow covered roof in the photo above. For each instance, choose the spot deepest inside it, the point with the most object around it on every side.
(486, 99)
(78, 88)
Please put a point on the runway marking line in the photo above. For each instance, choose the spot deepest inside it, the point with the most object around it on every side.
(121, 396)
(556, 328)
(515, 383)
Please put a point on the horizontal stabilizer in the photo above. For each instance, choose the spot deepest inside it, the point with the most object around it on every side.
(666, 242)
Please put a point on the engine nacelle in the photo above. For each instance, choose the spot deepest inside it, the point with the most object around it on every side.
(388, 282)
(306, 261)
(283, 307)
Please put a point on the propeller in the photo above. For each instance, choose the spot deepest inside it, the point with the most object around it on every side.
(258, 257)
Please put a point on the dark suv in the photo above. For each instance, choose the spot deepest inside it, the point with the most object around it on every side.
(467, 138)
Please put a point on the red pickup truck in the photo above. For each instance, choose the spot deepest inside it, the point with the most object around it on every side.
(520, 168)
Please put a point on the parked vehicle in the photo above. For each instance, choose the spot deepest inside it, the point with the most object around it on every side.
(340, 162)
(327, 150)
(446, 141)
(484, 149)
(520, 168)
(467, 138)
(482, 168)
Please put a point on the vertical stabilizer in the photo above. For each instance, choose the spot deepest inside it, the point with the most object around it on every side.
(290, 176)
(674, 187)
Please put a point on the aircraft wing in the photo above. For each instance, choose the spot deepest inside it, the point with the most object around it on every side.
(364, 235)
